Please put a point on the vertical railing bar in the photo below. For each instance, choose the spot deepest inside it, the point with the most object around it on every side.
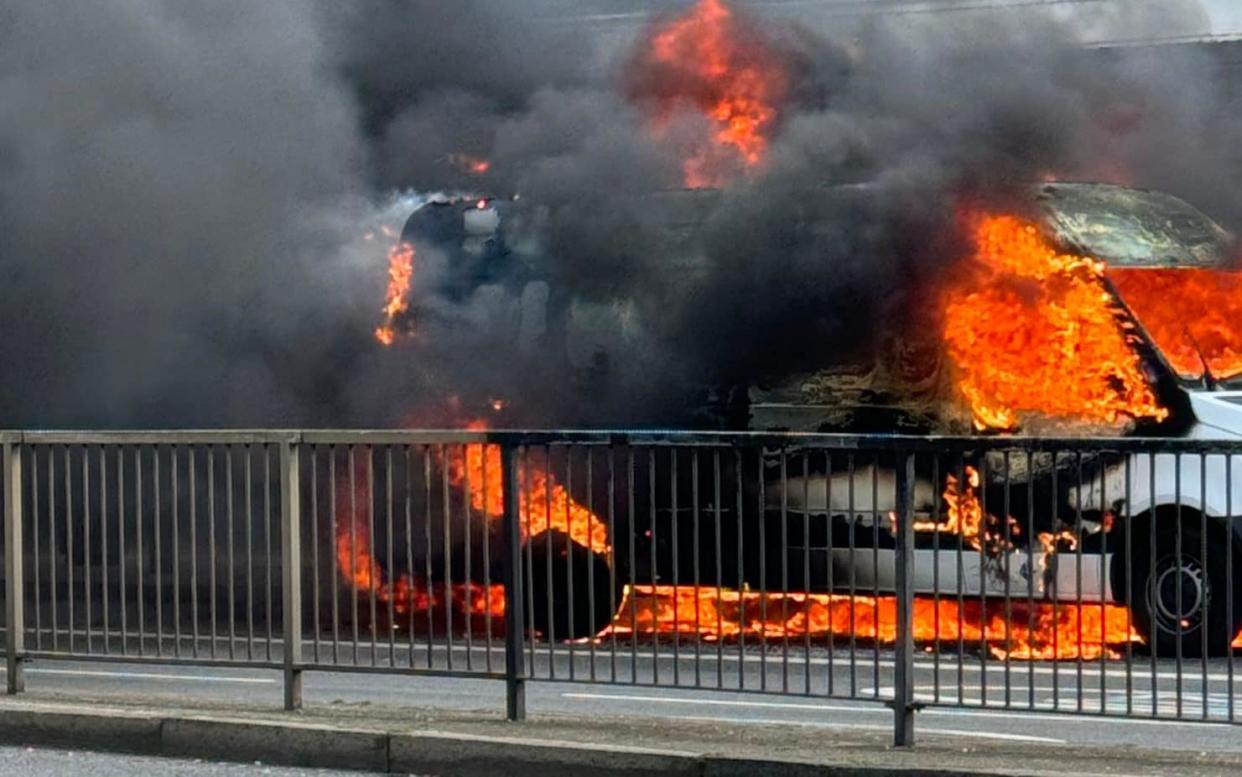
(212, 530)
(230, 516)
(1078, 532)
(1129, 572)
(936, 596)
(983, 580)
(193, 549)
(87, 593)
(1177, 554)
(392, 540)
(903, 680)
(249, 474)
(1008, 534)
(960, 553)
(1203, 554)
(526, 497)
(696, 571)
(875, 579)
(291, 570)
(739, 474)
(38, 557)
(1230, 540)
(138, 517)
(853, 579)
(334, 557)
(267, 542)
(487, 558)
(427, 576)
(14, 620)
(158, 531)
(785, 571)
(120, 544)
(407, 450)
(515, 671)
(632, 533)
(1031, 539)
(674, 531)
(547, 559)
(103, 548)
(719, 527)
(51, 542)
(1104, 546)
(176, 551)
(467, 577)
(446, 512)
(69, 554)
(1056, 593)
(655, 569)
(569, 552)
(372, 551)
(761, 514)
(830, 572)
(591, 519)
(1151, 584)
(316, 601)
(353, 550)
(612, 566)
(806, 571)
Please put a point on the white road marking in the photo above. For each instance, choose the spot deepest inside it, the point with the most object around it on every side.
(952, 732)
(725, 702)
(150, 676)
(998, 714)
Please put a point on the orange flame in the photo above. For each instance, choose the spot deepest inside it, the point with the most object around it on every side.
(408, 593)
(400, 273)
(705, 58)
(964, 516)
(473, 165)
(1029, 330)
(544, 504)
(711, 614)
(1161, 298)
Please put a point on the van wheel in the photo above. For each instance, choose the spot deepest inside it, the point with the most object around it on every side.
(1184, 595)
(569, 593)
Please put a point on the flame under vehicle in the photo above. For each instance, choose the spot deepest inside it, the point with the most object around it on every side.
(1163, 268)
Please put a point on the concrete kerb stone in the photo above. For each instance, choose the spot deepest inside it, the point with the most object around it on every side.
(115, 731)
(295, 743)
(456, 754)
(285, 743)
(721, 766)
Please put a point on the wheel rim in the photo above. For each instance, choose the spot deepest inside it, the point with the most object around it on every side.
(1173, 614)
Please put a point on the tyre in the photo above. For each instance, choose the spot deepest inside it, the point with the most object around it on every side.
(570, 595)
(1183, 595)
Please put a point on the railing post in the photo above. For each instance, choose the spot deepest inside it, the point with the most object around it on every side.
(903, 682)
(291, 570)
(14, 621)
(515, 669)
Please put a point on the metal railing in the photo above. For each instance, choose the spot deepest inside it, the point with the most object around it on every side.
(1044, 575)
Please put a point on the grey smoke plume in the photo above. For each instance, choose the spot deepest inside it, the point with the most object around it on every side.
(184, 194)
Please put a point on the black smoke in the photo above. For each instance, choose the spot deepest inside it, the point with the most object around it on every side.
(183, 191)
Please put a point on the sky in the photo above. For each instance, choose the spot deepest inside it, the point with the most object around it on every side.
(1226, 16)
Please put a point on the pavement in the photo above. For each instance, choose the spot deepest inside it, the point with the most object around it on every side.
(571, 720)
(51, 762)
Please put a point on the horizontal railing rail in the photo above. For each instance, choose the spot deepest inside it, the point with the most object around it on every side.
(1093, 576)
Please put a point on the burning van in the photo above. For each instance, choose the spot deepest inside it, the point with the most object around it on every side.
(1112, 313)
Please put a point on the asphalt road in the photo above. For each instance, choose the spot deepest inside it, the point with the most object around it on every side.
(40, 762)
(654, 682)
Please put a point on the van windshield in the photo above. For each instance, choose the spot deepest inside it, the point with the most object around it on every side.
(1193, 315)
(1133, 227)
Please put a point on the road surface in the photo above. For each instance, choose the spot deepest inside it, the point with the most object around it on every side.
(1069, 686)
